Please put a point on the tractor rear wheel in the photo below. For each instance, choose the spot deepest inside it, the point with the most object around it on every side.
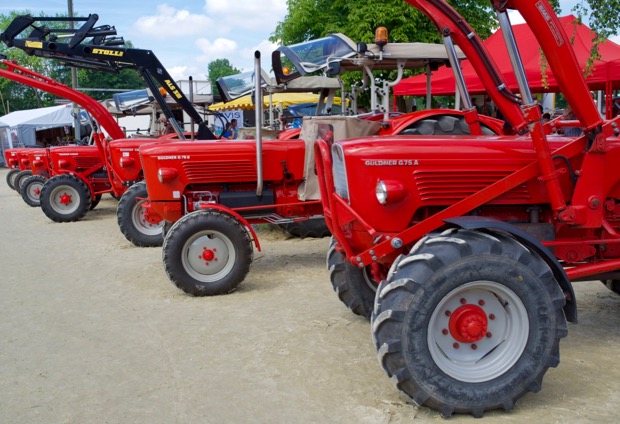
(207, 253)
(10, 177)
(131, 219)
(65, 198)
(354, 286)
(31, 190)
(313, 228)
(20, 178)
(468, 322)
(613, 285)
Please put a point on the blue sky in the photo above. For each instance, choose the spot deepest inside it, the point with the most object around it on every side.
(186, 35)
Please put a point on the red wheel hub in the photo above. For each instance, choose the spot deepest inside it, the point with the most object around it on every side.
(65, 199)
(208, 255)
(468, 324)
(37, 191)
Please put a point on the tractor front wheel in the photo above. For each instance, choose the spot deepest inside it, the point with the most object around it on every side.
(94, 202)
(132, 221)
(31, 190)
(20, 178)
(65, 198)
(10, 177)
(313, 228)
(207, 253)
(468, 322)
(354, 286)
(613, 285)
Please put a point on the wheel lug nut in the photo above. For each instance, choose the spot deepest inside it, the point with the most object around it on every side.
(455, 345)
(481, 302)
(474, 347)
(489, 335)
(448, 313)
(444, 332)
(463, 301)
(492, 316)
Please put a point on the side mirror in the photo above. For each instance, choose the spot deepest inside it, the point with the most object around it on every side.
(333, 69)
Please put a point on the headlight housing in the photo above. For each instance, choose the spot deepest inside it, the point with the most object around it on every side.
(339, 170)
(390, 191)
(166, 174)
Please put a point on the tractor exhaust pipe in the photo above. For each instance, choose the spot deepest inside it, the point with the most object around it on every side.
(258, 109)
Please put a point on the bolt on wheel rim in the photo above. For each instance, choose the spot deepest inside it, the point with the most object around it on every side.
(65, 199)
(34, 191)
(478, 331)
(208, 256)
(142, 224)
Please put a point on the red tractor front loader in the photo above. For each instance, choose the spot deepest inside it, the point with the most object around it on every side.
(461, 249)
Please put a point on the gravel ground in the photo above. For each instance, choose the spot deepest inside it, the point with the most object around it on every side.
(92, 331)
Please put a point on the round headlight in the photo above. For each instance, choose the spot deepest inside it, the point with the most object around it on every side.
(381, 192)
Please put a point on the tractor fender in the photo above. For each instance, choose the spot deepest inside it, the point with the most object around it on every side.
(80, 177)
(490, 224)
(242, 220)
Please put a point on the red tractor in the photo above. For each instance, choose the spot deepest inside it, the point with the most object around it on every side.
(461, 249)
(214, 191)
(17, 161)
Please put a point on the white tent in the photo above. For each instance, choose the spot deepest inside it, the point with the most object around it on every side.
(5, 143)
(25, 123)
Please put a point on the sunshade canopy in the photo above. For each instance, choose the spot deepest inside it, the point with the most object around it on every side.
(606, 70)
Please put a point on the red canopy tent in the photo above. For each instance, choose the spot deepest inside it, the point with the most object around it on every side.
(604, 76)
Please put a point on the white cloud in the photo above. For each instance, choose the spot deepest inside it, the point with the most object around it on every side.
(247, 14)
(218, 49)
(265, 48)
(170, 23)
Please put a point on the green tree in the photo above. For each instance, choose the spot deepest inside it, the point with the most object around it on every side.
(220, 68)
(17, 96)
(358, 19)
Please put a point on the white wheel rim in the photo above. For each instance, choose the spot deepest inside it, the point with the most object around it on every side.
(140, 222)
(34, 191)
(497, 351)
(58, 194)
(208, 256)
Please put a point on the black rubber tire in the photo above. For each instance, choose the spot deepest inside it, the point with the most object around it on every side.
(20, 178)
(313, 228)
(94, 202)
(460, 266)
(207, 231)
(31, 190)
(354, 287)
(138, 231)
(165, 229)
(10, 178)
(65, 185)
(613, 285)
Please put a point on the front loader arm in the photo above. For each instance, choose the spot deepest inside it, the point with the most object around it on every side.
(101, 52)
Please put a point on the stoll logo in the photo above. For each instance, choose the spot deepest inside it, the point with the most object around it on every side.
(107, 52)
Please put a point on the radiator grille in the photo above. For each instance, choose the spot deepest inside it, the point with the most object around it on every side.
(212, 172)
(86, 162)
(450, 186)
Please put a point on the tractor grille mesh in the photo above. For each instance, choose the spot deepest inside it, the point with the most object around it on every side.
(214, 172)
(86, 162)
(450, 186)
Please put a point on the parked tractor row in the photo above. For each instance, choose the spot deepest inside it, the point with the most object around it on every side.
(459, 241)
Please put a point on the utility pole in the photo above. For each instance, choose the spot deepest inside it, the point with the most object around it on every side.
(74, 83)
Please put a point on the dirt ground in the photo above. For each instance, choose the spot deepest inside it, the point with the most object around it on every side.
(92, 331)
